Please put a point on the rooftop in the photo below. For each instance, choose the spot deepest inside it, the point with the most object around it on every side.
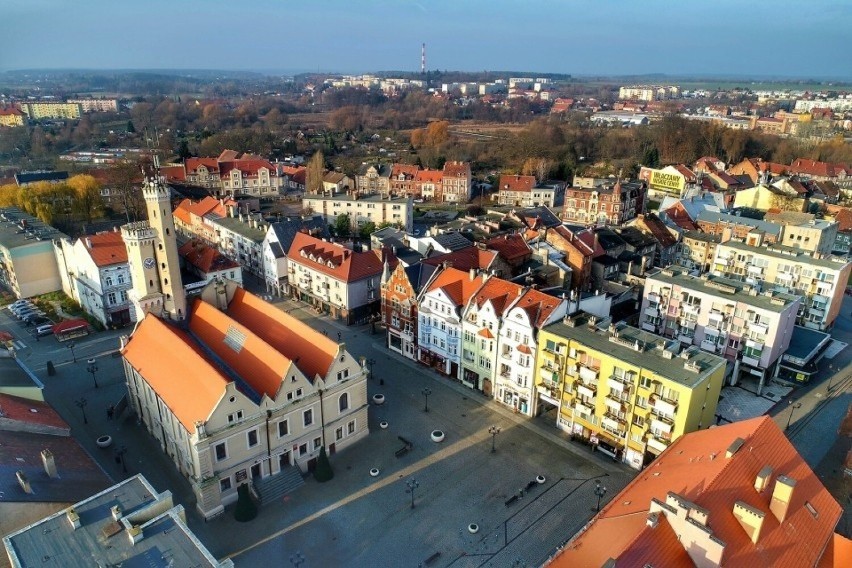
(20, 229)
(788, 253)
(710, 284)
(100, 540)
(235, 225)
(641, 349)
(376, 198)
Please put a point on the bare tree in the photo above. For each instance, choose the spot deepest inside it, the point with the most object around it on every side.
(315, 173)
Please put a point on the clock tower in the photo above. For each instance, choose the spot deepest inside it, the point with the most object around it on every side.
(152, 253)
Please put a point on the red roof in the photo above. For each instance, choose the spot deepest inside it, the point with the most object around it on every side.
(700, 470)
(678, 215)
(30, 411)
(430, 176)
(406, 170)
(658, 229)
(456, 169)
(10, 111)
(205, 258)
(814, 168)
(177, 173)
(246, 167)
(211, 164)
(464, 259)
(538, 305)
(457, 285)
(501, 293)
(106, 248)
(516, 183)
(511, 247)
(69, 324)
(333, 259)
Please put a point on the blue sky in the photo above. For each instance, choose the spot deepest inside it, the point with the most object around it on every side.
(804, 38)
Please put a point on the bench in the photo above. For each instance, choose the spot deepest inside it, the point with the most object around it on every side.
(511, 500)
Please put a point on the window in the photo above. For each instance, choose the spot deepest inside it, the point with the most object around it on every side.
(303, 449)
(108, 281)
(283, 428)
(343, 402)
(338, 434)
(645, 382)
(252, 438)
(308, 417)
(225, 484)
(221, 451)
(235, 416)
(317, 443)
(350, 428)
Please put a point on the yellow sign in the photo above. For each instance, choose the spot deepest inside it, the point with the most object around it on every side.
(666, 181)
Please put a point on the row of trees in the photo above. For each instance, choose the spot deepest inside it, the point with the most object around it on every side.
(78, 199)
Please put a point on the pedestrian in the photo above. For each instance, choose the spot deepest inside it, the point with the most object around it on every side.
(110, 411)
(339, 336)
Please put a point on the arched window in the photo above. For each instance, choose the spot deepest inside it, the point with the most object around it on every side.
(343, 402)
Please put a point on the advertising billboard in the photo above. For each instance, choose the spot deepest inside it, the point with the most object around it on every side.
(667, 181)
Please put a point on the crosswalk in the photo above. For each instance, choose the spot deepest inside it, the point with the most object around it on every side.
(18, 344)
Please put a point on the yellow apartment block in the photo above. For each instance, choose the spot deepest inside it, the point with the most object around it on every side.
(627, 392)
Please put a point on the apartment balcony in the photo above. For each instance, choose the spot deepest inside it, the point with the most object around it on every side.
(507, 355)
(588, 374)
(587, 391)
(710, 345)
(658, 444)
(652, 312)
(691, 308)
(751, 361)
(583, 409)
(649, 326)
(613, 423)
(549, 390)
(663, 405)
(506, 373)
(572, 371)
(817, 312)
(661, 422)
(620, 385)
(616, 404)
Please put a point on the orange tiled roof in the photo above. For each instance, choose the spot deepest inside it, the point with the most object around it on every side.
(510, 247)
(697, 468)
(257, 362)
(516, 183)
(177, 173)
(464, 259)
(499, 292)
(429, 176)
(333, 259)
(211, 164)
(456, 169)
(21, 410)
(815, 168)
(186, 379)
(538, 306)
(205, 258)
(457, 285)
(838, 554)
(106, 248)
(407, 170)
(312, 352)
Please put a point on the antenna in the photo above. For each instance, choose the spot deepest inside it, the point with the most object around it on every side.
(423, 58)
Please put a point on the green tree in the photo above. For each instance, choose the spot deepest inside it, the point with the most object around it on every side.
(323, 471)
(87, 196)
(246, 509)
(342, 225)
(651, 157)
(367, 229)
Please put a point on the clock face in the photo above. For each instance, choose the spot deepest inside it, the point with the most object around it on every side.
(148, 263)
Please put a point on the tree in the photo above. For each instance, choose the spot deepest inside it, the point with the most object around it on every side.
(323, 471)
(87, 196)
(342, 225)
(130, 128)
(315, 173)
(123, 180)
(651, 157)
(246, 510)
(367, 229)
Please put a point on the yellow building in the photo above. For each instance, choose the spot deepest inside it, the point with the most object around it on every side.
(37, 111)
(766, 197)
(627, 392)
(11, 117)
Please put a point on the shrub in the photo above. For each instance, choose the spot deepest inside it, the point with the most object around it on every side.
(246, 510)
(323, 471)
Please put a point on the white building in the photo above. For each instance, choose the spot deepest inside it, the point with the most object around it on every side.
(240, 237)
(361, 209)
(276, 244)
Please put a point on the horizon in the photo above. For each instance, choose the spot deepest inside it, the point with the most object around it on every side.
(604, 38)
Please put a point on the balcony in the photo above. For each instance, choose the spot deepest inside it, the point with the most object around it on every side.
(582, 409)
(616, 404)
(751, 361)
(652, 312)
(586, 391)
(613, 423)
(507, 355)
(658, 444)
(709, 345)
(588, 374)
(690, 308)
(663, 405)
(761, 329)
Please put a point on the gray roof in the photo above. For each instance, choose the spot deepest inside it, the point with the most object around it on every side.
(404, 253)
(286, 230)
(32, 177)
(419, 275)
(547, 217)
(788, 253)
(234, 225)
(701, 236)
(12, 375)
(101, 541)
(383, 169)
(722, 287)
(452, 241)
(805, 343)
(765, 226)
(20, 229)
(648, 355)
(636, 238)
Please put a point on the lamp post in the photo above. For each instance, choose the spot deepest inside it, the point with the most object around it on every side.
(371, 362)
(119, 457)
(426, 392)
(830, 376)
(493, 430)
(81, 404)
(600, 491)
(297, 559)
(92, 368)
(71, 346)
(792, 408)
(412, 485)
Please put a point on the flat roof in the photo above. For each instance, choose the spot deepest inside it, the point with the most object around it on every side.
(701, 236)
(14, 374)
(648, 356)
(734, 290)
(788, 253)
(346, 197)
(19, 229)
(805, 342)
(102, 541)
(234, 224)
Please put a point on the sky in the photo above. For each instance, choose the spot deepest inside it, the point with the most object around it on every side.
(757, 38)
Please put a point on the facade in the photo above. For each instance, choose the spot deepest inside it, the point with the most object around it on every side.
(402, 179)
(400, 287)
(203, 172)
(28, 264)
(580, 247)
(375, 209)
(738, 227)
(278, 392)
(766, 197)
(522, 191)
(439, 310)
(152, 255)
(337, 182)
(276, 245)
(335, 280)
(142, 523)
(240, 237)
(697, 250)
(193, 219)
(456, 182)
(96, 105)
(736, 495)
(250, 176)
(604, 204)
(626, 391)
(373, 178)
(38, 111)
(429, 184)
(821, 281)
(10, 116)
(206, 263)
(666, 238)
(96, 274)
(721, 316)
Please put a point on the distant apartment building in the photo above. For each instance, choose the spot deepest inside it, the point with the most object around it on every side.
(96, 105)
(10, 116)
(38, 111)
(722, 316)
(28, 264)
(697, 250)
(821, 281)
(373, 178)
(240, 237)
(428, 184)
(362, 209)
(627, 392)
(522, 191)
(402, 179)
(648, 92)
(203, 172)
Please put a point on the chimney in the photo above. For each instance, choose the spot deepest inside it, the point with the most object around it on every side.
(734, 447)
(24, 482)
(73, 518)
(473, 274)
(653, 519)
(134, 533)
(727, 233)
(761, 482)
(750, 519)
(49, 464)
(115, 510)
(782, 496)
(88, 242)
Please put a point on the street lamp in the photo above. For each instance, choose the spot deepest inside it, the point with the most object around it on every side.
(119, 457)
(426, 392)
(600, 491)
(81, 403)
(412, 485)
(830, 376)
(792, 408)
(297, 559)
(493, 430)
(71, 346)
(92, 368)
(371, 362)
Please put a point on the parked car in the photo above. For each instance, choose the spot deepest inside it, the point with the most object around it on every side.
(18, 304)
(28, 312)
(18, 309)
(45, 329)
(37, 320)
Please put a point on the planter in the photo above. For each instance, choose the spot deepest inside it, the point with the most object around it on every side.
(540, 479)
(473, 528)
(378, 399)
(383, 424)
(374, 472)
(104, 441)
(437, 436)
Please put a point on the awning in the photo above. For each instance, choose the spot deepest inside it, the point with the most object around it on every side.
(67, 325)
